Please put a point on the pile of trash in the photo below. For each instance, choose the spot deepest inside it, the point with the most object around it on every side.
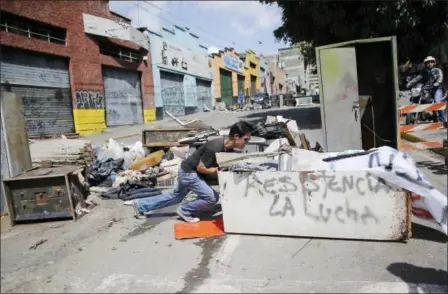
(130, 172)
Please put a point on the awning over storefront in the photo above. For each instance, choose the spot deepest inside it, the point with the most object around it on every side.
(114, 29)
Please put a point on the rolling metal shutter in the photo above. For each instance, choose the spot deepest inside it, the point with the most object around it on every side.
(48, 111)
(42, 81)
(123, 97)
(173, 92)
(204, 94)
(226, 87)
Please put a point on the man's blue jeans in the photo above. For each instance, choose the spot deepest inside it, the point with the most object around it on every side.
(438, 95)
(186, 182)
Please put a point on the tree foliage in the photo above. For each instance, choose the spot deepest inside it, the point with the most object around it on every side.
(418, 25)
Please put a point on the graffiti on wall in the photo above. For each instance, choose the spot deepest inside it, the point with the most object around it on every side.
(174, 100)
(39, 117)
(204, 97)
(310, 197)
(89, 100)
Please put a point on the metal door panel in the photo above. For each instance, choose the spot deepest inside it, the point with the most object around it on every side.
(204, 94)
(31, 69)
(340, 107)
(48, 111)
(123, 97)
(173, 92)
(4, 165)
(226, 87)
(43, 83)
(393, 41)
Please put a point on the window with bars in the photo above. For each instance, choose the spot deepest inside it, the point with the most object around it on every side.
(119, 52)
(20, 25)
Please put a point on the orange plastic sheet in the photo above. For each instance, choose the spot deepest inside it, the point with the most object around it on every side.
(200, 229)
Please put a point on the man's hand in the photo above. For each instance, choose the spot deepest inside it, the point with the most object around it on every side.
(409, 85)
(436, 84)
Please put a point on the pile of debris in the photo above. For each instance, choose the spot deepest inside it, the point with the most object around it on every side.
(145, 168)
(277, 127)
(128, 172)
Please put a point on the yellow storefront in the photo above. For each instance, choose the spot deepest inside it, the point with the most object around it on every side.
(251, 72)
(228, 75)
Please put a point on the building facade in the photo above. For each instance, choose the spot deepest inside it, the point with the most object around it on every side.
(75, 66)
(294, 67)
(229, 76)
(265, 76)
(251, 72)
(183, 77)
(312, 79)
(278, 75)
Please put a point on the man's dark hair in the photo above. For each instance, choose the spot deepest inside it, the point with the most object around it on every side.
(240, 129)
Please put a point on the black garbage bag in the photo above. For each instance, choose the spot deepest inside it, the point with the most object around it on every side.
(267, 131)
(100, 171)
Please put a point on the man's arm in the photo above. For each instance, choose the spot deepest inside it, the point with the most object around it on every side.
(414, 80)
(439, 80)
(207, 159)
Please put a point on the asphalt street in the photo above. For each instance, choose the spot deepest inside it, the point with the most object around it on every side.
(110, 251)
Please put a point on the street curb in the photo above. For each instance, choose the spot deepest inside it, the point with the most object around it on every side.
(415, 139)
(125, 136)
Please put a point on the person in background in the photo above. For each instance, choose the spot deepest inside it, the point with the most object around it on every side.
(241, 99)
(433, 77)
(200, 164)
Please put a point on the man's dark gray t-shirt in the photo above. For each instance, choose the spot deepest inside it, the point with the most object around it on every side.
(206, 153)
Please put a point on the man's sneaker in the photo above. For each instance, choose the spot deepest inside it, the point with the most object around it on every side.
(128, 202)
(186, 217)
(138, 213)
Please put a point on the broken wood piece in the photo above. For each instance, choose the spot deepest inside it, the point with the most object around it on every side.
(305, 143)
(287, 133)
(174, 118)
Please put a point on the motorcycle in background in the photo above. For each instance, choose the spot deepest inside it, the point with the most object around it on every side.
(421, 94)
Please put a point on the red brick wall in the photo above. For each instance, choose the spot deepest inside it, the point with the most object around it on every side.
(82, 49)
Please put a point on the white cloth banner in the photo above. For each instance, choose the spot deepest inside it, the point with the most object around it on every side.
(398, 168)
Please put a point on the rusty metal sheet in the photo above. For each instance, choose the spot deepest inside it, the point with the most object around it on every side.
(58, 171)
(327, 204)
(164, 144)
